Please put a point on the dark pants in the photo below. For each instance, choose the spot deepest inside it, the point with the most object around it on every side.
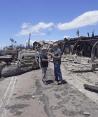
(57, 72)
(44, 70)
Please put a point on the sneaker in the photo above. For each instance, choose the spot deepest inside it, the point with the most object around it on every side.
(44, 81)
(56, 82)
(60, 82)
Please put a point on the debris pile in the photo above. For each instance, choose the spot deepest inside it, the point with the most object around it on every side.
(26, 61)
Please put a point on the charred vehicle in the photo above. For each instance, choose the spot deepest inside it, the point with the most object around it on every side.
(7, 59)
(28, 58)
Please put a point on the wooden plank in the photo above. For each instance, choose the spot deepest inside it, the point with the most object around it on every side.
(91, 88)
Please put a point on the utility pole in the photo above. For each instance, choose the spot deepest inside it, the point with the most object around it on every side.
(93, 33)
(78, 33)
(29, 40)
(88, 34)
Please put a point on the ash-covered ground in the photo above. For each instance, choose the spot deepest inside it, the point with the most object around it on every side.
(26, 95)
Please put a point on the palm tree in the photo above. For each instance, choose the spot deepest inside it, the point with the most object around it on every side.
(13, 42)
(29, 40)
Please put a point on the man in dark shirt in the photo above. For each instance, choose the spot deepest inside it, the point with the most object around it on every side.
(57, 62)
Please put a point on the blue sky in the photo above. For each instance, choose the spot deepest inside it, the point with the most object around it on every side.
(46, 19)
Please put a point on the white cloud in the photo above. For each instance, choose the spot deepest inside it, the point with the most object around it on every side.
(86, 19)
(37, 29)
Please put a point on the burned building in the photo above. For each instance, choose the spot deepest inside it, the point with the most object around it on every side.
(80, 45)
(83, 45)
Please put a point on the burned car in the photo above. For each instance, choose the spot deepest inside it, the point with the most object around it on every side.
(6, 58)
(28, 58)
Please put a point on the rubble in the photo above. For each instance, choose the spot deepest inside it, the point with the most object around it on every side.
(10, 51)
(94, 56)
(26, 61)
(2, 65)
(91, 88)
(14, 70)
(7, 58)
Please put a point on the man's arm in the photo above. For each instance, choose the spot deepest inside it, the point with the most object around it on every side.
(57, 57)
(44, 59)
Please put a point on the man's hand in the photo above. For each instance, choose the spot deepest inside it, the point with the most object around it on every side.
(49, 53)
(54, 56)
(49, 58)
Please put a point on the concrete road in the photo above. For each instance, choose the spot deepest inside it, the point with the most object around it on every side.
(27, 96)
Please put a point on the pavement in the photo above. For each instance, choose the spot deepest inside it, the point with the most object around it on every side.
(27, 96)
